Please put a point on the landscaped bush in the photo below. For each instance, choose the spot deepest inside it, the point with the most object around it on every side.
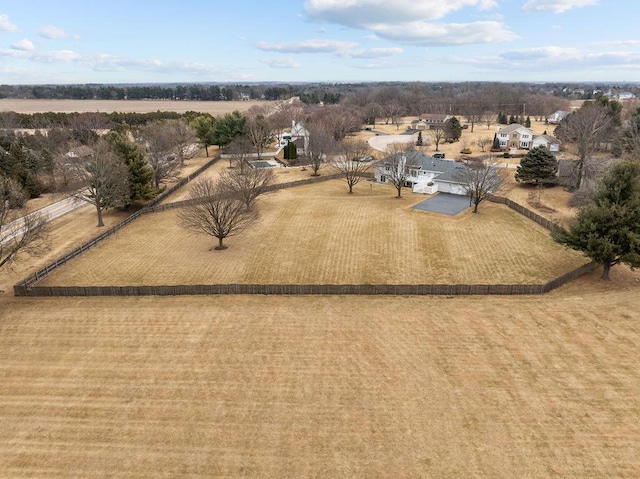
(466, 151)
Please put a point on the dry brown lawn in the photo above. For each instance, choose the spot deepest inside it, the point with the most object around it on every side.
(319, 234)
(265, 386)
(125, 106)
(239, 386)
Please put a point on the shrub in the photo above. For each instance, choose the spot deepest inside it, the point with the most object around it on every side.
(466, 151)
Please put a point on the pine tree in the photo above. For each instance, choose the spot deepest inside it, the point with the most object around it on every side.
(538, 166)
(608, 230)
(496, 142)
(140, 174)
(419, 141)
(453, 129)
(527, 122)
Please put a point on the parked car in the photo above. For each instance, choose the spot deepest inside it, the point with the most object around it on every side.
(438, 155)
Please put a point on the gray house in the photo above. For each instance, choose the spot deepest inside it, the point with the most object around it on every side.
(425, 174)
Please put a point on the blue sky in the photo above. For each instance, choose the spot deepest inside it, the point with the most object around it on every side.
(69, 41)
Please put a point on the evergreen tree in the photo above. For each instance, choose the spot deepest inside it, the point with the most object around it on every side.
(419, 141)
(290, 151)
(496, 142)
(608, 230)
(452, 129)
(140, 174)
(538, 166)
(502, 118)
(527, 122)
(512, 120)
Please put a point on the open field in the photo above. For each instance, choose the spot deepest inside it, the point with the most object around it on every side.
(124, 106)
(486, 387)
(264, 386)
(319, 234)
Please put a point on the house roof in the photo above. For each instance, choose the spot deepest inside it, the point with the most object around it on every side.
(513, 127)
(434, 117)
(548, 138)
(447, 169)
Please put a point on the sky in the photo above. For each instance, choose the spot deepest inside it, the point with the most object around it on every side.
(189, 41)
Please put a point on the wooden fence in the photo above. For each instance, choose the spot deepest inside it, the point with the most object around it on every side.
(306, 289)
(27, 287)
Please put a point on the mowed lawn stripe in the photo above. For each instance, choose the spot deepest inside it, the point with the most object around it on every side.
(320, 234)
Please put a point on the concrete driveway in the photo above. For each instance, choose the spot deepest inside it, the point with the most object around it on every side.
(381, 142)
(445, 204)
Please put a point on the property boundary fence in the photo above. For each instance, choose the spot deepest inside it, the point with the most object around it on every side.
(27, 286)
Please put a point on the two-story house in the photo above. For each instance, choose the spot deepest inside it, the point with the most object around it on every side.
(515, 136)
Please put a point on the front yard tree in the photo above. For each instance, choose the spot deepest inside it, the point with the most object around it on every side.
(349, 162)
(20, 233)
(608, 230)
(438, 134)
(105, 180)
(538, 166)
(453, 129)
(214, 212)
(397, 166)
(239, 153)
(479, 180)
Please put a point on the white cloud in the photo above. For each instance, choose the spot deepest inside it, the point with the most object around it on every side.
(554, 58)
(281, 62)
(6, 25)
(418, 33)
(24, 44)
(556, 6)
(371, 52)
(49, 31)
(306, 46)
(364, 13)
(412, 22)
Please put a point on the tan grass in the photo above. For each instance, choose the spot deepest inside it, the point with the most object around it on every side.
(486, 387)
(319, 234)
(126, 106)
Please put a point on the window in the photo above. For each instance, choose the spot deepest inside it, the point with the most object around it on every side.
(383, 179)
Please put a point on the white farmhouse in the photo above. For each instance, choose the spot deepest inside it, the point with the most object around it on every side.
(425, 174)
(515, 136)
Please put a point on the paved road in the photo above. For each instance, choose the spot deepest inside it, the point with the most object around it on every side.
(51, 212)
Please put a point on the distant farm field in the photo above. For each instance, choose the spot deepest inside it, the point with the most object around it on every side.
(319, 234)
(125, 106)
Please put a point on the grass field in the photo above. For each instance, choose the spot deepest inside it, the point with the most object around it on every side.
(487, 387)
(319, 234)
(264, 386)
(125, 106)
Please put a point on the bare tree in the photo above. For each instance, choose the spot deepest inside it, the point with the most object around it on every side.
(437, 135)
(479, 180)
(321, 145)
(584, 130)
(247, 186)
(159, 144)
(184, 138)
(397, 166)
(214, 212)
(352, 162)
(484, 142)
(105, 180)
(20, 233)
(258, 130)
(489, 118)
(239, 153)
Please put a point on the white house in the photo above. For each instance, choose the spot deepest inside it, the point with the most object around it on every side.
(298, 135)
(425, 174)
(551, 143)
(433, 120)
(557, 116)
(515, 136)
